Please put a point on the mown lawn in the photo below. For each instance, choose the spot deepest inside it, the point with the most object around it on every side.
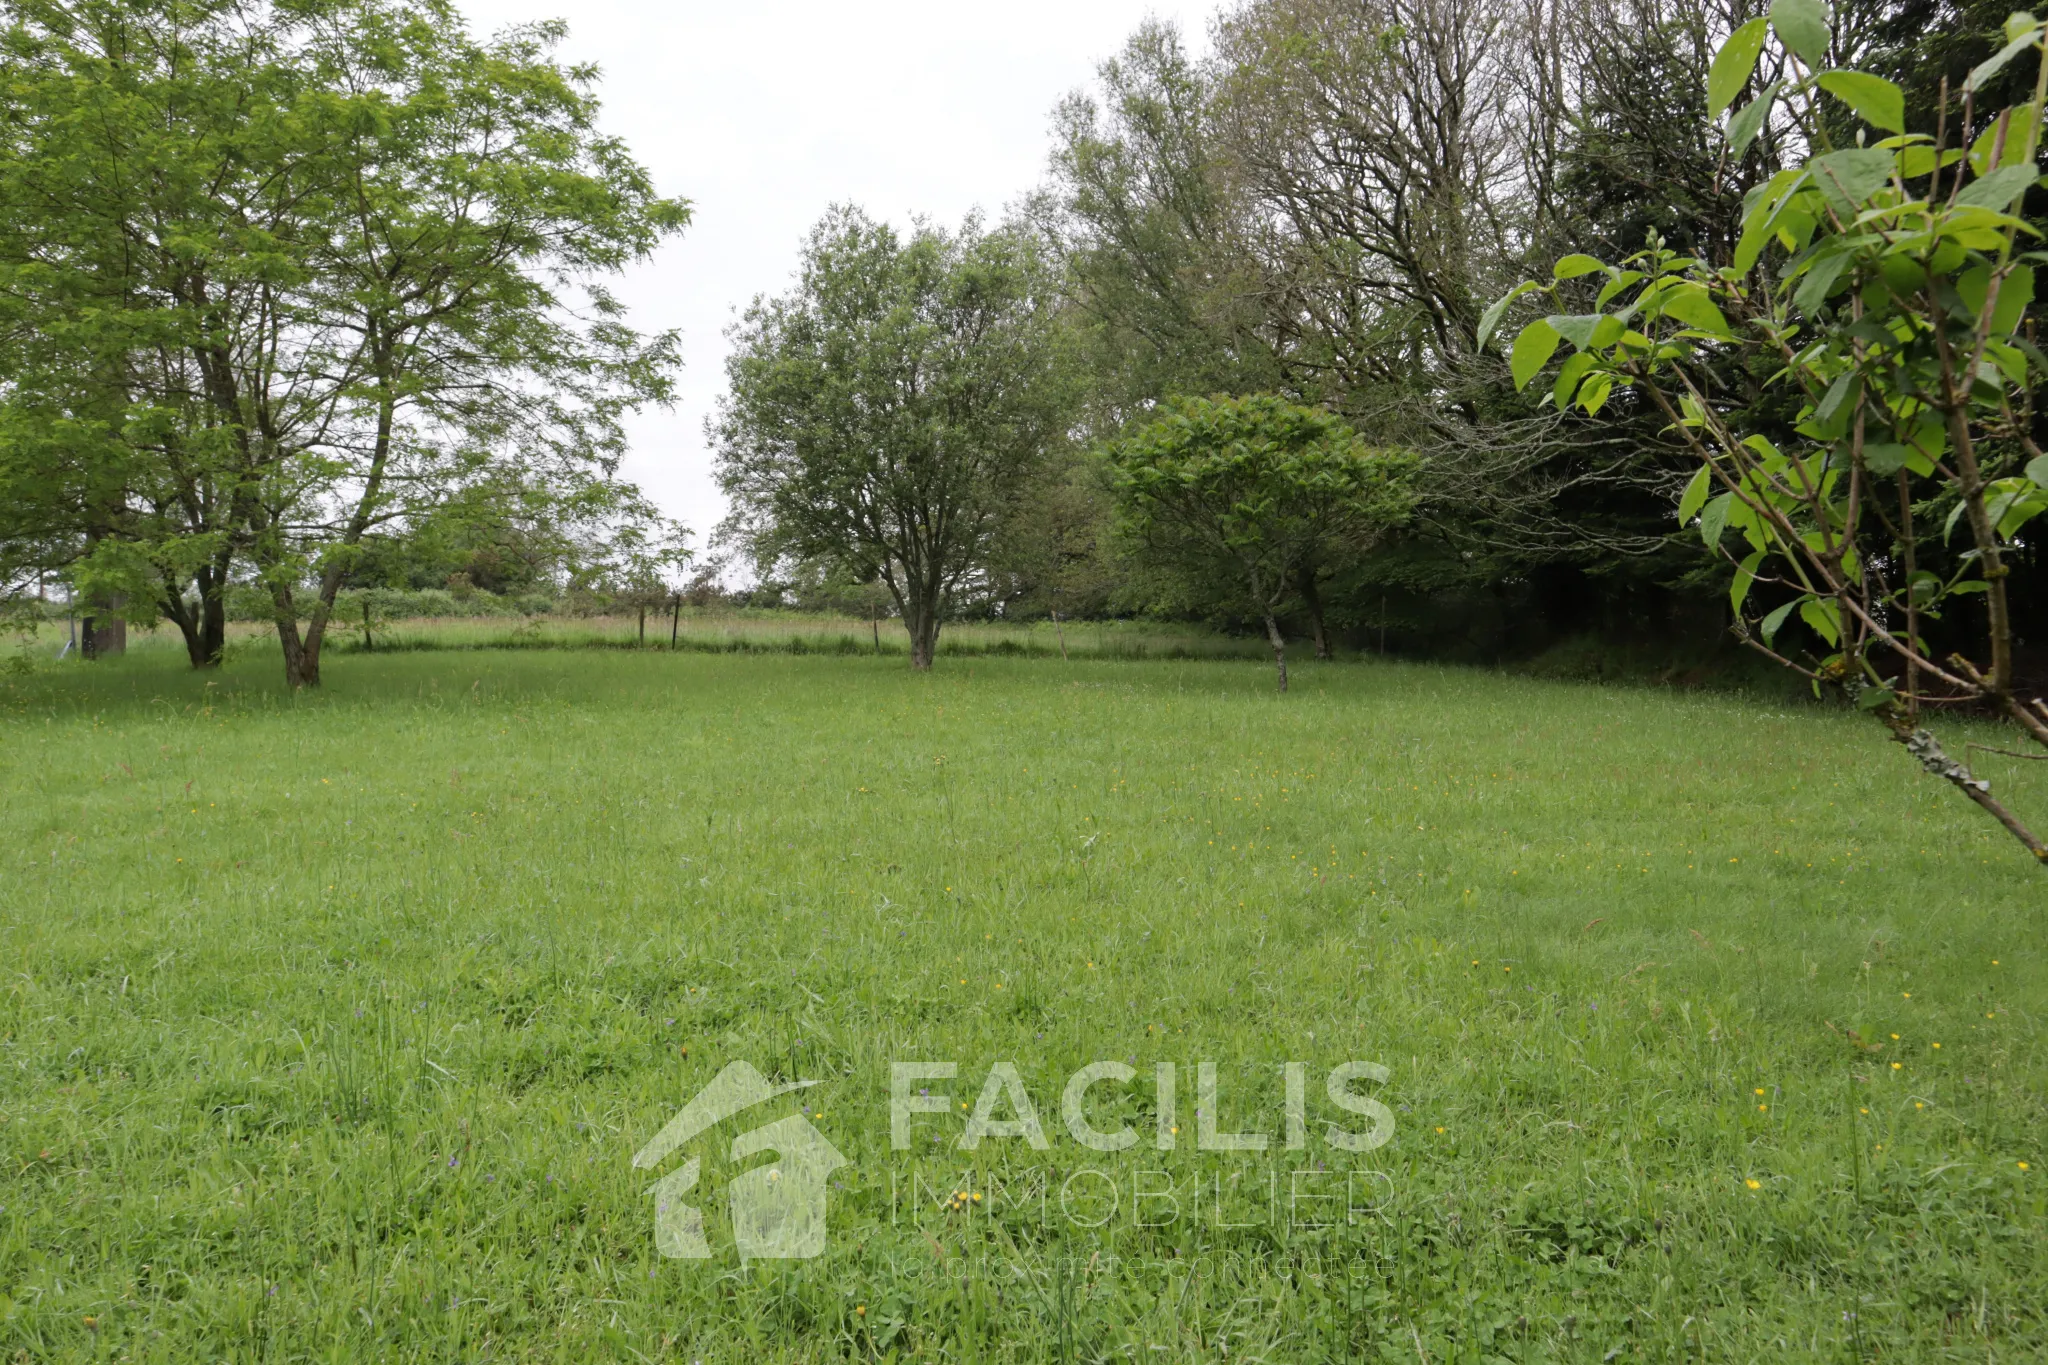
(332, 1025)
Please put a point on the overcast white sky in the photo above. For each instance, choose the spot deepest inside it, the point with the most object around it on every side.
(764, 113)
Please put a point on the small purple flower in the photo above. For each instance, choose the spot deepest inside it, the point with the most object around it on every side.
(453, 1162)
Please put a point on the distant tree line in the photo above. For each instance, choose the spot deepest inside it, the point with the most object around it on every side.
(1321, 212)
(314, 297)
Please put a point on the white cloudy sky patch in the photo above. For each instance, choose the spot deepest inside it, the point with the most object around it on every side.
(764, 114)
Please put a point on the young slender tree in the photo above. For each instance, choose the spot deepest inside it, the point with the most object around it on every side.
(884, 414)
(1259, 492)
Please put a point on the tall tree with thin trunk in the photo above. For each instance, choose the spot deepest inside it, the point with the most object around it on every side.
(884, 415)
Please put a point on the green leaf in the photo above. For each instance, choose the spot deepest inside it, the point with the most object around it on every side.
(1533, 349)
(1760, 210)
(1996, 62)
(1876, 100)
(1822, 616)
(1577, 264)
(1745, 574)
(1615, 285)
(1874, 698)
(2037, 470)
(1820, 279)
(1490, 319)
(1691, 305)
(1776, 621)
(1594, 395)
(1749, 120)
(1732, 65)
(2014, 294)
(1850, 178)
(1696, 494)
(1884, 458)
(1569, 376)
(1838, 394)
(1998, 189)
(2000, 137)
(1714, 519)
(1577, 328)
(1802, 25)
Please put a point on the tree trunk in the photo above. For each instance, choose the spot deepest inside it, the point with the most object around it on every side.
(205, 627)
(924, 638)
(104, 633)
(1313, 600)
(301, 656)
(1279, 643)
(921, 621)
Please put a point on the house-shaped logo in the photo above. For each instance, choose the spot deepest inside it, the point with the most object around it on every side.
(777, 1209)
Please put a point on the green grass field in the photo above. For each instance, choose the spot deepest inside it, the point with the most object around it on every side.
(332, 1024)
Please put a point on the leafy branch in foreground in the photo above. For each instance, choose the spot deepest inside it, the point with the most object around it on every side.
(1879, 290)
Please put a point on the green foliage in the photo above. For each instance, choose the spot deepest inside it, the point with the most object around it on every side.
(883, 417)
(291, 275)
(1258, 492)
(1883, 288)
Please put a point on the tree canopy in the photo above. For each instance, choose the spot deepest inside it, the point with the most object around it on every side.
(885, 415)
(1259, 494)
(283, 276)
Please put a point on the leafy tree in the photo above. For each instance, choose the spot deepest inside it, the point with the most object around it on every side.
(883, 415)
(118, 126)
(1260, 493)
(1882, 286)
(354, 264)
(1168, 292)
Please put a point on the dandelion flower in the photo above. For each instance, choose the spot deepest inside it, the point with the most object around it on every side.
(1897, 1065)
(1753, 1184)
(2025, 1167)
